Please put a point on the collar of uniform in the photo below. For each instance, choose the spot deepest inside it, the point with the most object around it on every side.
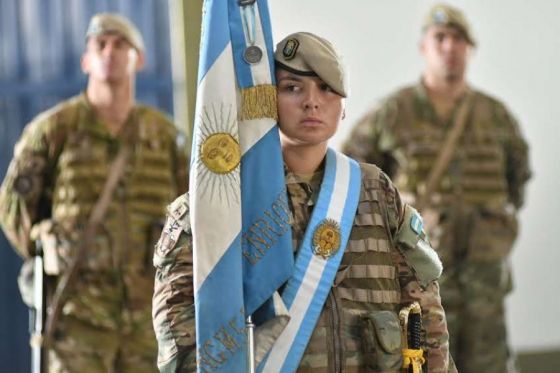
(427, 109)
(314, 179)
(91, 123)
(422, 93)
(305, 185)
(88, 120)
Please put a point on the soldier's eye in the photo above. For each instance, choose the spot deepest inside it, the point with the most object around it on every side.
(289, 87)
(439, 37)
(325, 87)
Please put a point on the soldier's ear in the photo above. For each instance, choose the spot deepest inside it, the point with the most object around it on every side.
(141, 61)
(84, 63)
(421, 46)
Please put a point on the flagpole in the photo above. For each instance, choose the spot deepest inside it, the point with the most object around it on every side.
(250, 345)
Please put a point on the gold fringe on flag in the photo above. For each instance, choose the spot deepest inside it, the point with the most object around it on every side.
(259, 102)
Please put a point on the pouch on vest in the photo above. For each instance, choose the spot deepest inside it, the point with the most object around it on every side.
(414, 245)
(381, 340)
(493, 232)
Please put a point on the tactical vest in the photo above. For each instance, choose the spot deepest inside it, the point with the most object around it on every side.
(358, 328)
(477, 172)
(119, 264)
(473, 192)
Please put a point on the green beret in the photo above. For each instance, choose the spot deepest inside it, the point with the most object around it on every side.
(447, 15)
(304, 53)
(103, 23)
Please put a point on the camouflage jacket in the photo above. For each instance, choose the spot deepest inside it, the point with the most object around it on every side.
(484, 182)
(58, 171)
(357, 329)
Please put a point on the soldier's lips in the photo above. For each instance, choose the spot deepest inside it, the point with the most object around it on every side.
(311, 122)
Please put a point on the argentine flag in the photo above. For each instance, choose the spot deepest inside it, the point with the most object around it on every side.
(239, 209)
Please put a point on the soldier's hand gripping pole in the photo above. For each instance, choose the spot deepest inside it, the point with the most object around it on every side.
(37, 312)
(411, 327)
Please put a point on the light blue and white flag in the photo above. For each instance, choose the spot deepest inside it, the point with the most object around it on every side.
(239, 210)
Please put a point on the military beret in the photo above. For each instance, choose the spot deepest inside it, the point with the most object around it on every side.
(304, 53)
(447, 15)
(103, 23)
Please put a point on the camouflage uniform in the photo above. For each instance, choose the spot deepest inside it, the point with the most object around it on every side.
(371, 285)
(57, 174)
(474, 206)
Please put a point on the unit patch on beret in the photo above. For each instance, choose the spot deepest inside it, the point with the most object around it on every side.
(290, 49)
(440, 17)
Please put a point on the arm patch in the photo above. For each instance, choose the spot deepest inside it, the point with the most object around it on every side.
(413, 242)
(177, 222)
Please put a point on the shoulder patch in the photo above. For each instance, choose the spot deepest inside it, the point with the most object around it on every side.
(178, 208)
(411, 239)
(177, 222)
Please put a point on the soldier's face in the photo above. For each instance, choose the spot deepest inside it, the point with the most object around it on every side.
(446, 52)
(110, 58)
(309, 111)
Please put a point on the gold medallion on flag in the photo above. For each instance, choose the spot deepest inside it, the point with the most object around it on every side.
(220, 152)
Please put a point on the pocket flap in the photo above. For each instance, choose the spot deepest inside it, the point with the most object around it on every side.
(388, 330)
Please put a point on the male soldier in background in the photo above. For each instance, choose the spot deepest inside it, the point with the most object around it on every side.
(459, 155)
(59, 171)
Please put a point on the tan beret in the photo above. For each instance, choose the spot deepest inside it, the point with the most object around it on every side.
(304, 53)
(447, 15)
(103, 23)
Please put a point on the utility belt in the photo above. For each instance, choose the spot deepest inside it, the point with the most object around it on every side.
(392, 342)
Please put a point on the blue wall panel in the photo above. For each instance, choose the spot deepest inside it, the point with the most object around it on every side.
(41, 42)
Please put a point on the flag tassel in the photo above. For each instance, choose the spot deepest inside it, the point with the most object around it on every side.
(259, 102)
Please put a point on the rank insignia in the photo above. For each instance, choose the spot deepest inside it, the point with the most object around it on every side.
(326, 239)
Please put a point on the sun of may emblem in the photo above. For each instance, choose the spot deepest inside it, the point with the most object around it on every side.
(219, 153)
(326, 239)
